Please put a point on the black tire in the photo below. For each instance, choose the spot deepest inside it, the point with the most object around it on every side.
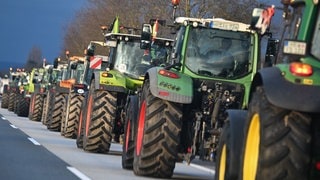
(158, 136)
(12, 98)
(5, 100)
(223, 163)
(72, 115)
(48, 107)
(131, 112)
(277, 141)
(81, 126)
(36, 107)
(100, 118)
(54, 124)
(17, 99)
(22, 107)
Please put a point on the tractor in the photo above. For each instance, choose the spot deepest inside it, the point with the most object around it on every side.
(180, 111)
(278, 137)
(102, 119)
(40, 82)
(29, 104)
(12, 88)
(74, 98)
(71, 71)
(58, 73)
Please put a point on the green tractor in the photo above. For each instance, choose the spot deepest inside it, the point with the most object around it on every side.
(109, 88)
(70, 73)
(37, 89)
(180, 111)
(22, 96)
(77, 88)
(28, 85)
(279, 136)
(56, 74)
(10, 90)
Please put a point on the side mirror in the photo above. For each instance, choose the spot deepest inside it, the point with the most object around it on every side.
(145, 42)
(271, 52)
(261, 19)
(256, 13)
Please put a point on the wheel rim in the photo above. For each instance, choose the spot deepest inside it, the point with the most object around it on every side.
(88, 117)
(127, 135)
(222, 164)
(251, 155)
(141, 127)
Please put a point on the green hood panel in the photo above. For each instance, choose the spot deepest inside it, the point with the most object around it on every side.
(115, 78)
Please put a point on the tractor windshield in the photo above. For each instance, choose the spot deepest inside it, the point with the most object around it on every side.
(315, 50)
(129, 59)
(78, 74)
(218, 53)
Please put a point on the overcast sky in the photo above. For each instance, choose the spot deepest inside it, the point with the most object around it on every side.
(28, 23)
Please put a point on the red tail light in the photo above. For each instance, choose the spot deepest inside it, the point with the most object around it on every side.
(300, 69)
(318, 165)
(169, 74)
(175, 2)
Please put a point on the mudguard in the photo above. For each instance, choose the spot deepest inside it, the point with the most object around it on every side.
(179, 90)
(110, 81)
(237, 119)
(285, 94)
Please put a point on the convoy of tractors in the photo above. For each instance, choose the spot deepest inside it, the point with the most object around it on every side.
(206, 94)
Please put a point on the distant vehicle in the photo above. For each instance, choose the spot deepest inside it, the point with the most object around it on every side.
(3, 81)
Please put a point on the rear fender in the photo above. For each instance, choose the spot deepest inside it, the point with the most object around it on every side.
(178, 90)
(282, 93)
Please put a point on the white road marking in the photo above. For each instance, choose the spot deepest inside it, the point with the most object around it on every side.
(13, 126)
(3, 118)
(34, 141)
(201, 168)
(78, 173)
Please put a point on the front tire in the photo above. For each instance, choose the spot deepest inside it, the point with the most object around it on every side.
(277, 141)
(158, 136)
(36, 107)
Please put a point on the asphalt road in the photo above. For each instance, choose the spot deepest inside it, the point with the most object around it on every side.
(29, 151)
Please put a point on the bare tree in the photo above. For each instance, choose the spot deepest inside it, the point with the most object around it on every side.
(132, 13)
(34, 59)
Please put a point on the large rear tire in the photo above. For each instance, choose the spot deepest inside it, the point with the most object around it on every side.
(158, 136)
(72, 115)
(48, 106)
(131, 112)
(22, 105)
(99, 121)
(36, 107)
(54, 124)
(277, 141)
(5, 100)
(12, 98)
